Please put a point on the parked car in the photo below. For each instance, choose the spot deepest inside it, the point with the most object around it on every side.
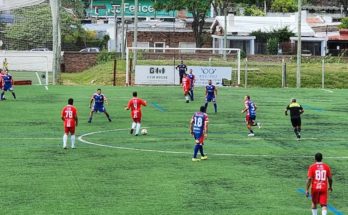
(90, 50)
(39, 50)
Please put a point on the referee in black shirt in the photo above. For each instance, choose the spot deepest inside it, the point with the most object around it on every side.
(295, 114)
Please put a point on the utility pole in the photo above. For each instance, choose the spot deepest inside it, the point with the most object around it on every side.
(136, 2)
(116, 33)
(299, 48)
(225, 33)
(56, 38)
(123, 33)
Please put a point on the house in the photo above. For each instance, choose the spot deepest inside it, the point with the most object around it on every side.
(239, 29)
(338, 43)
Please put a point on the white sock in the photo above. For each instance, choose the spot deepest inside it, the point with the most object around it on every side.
(138, 128)
(133, 125)
(73, 141)
(314, 211)
(65, 139)
(323, 211)
(187, 98)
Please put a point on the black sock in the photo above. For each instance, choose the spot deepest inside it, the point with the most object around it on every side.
(251, 131)
(14, 95)
(2, 95)
(206, 106)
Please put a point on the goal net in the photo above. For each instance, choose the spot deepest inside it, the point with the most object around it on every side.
(33, 67)
(26, 40)
(160, 65)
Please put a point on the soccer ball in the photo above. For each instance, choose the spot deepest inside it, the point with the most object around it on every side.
(144, 131)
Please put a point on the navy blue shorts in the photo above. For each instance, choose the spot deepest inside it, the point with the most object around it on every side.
(98, 108)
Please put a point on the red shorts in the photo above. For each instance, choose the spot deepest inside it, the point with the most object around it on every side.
(186, 90)
(70, 130)
(137, 120)
(319, 197)
(136, 116)
(250, 119)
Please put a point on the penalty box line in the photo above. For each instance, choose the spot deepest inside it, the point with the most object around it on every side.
(80, 138)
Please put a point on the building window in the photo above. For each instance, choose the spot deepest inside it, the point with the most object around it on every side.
(159, 45)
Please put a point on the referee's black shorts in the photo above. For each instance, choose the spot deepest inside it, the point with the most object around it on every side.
(296, 121)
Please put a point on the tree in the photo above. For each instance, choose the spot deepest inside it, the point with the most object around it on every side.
(344, 23)
(220, 6)
(284, 6)
(77, 6)
(198, 9)
(33, 27)
(253, 11)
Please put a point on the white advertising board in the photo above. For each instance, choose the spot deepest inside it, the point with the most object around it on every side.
(216, 74)
(156, 75)
(168, 75)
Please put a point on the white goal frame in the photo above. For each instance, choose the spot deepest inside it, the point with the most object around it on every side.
(14, 67)
(192, 49)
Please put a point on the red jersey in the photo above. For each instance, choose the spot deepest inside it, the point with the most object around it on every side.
(319, 173)
(135, 106)
(186, 83)
(69, 114)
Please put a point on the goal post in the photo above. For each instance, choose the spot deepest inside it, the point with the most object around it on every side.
(165, 59)
(32, 66)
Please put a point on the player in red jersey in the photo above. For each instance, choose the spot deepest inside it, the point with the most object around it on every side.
(69, 116)
(135, 106)
(186, 85)
(1, 75)
(319, 176)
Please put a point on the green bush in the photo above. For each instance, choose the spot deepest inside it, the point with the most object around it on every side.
(284, 6)
(272, 46)
(344, 23)
(105, 56)
(253, 11)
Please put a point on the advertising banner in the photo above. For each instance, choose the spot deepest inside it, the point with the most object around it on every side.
(168, 75)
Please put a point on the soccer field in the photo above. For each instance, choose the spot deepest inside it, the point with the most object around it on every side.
(112, 172)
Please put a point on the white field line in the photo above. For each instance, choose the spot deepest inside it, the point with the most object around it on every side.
(46, 87)
(30, 138)
(38, 78)
(330, 91)
(80, 138)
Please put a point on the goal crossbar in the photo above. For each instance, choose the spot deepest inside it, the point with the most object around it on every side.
(172, 48)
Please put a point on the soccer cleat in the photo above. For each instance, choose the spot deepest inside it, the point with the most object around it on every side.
(109, 119)
(73, 147)
(251, 134)
(131, 131)
(89, 121)
(204, 157)
(195, 159)
(65, 147)
(136, 134)
(187, 101)
(259, 125)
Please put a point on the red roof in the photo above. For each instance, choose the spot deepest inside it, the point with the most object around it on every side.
(342, 36)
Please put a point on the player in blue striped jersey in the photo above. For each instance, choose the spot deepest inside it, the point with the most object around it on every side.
(97, 100)
(210, 95)
(199, 131)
